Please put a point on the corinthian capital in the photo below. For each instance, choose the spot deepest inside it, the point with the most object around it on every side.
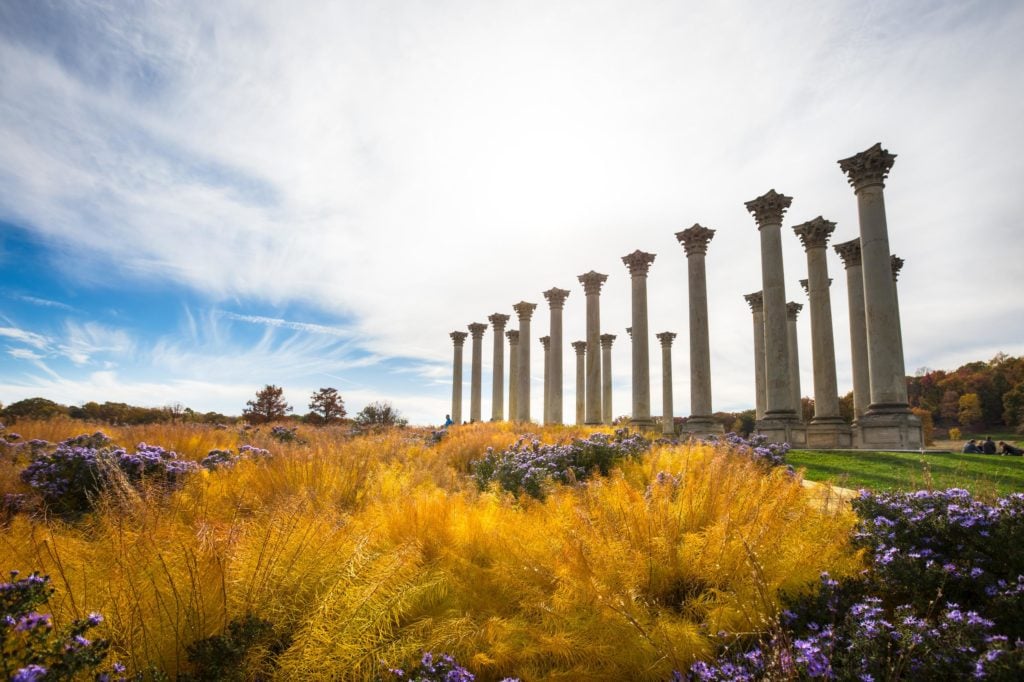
(755, 301)
(870, 167)
(638, 262)
(498, 320)
(849, 252)
(592, 282)
(477, 329)
(606, 340)
(666, 339)
(792, 308)
(814, 234)
(513, 337)
(695, 239)
(580, 347)
(545, 341)
(524, 310)
(769, 208)
(556, 298)
(459, 338)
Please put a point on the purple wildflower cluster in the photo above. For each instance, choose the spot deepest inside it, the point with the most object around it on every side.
(527, 465)
(31, 648)
(216, 459)
(943, 598)
(69, 477)
(285, 434)
(441, 668)
(756, 447)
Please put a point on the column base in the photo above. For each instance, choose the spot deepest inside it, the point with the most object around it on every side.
(641, 425)
(888, 428)
(828, 433)
(782, 427)
(702, 426)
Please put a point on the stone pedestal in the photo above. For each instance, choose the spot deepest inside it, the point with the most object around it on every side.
(695, 242)
(639, 263)
(606, 378)
(476, 330)
(780, 416)
(513, 373)
(581, 380)
(498, 321)
(524, 311)
(592, 283)
(545, 342)
(459, 340)
(556, 302)
(668, 424)
(888, 421)
(756, 303)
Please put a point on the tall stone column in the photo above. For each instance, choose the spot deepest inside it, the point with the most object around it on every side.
(639, 263)
(606, 378)
(545, 342)
(897, 265)
(888, 422)
(513, 374)
(792, 310)
(581, 380)
(498, 321)
(556, 302)
(668, 424)
(476, 330)
(525, 311)
(849, 252)
(459, 339)
(756, 303)
(827, 428)
(695, 242)
(592, 282)
(781, 421)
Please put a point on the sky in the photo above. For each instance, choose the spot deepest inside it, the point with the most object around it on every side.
(198, 199)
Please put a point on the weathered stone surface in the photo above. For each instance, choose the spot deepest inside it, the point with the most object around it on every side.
(524, 311)
(556, 302)
(606, 378)
(639, 263)
(592, 283)
(458, 341)
(756, 303)
(581, 379)
(498, 322)
(476, 330)
(513, 373)
(667, 411)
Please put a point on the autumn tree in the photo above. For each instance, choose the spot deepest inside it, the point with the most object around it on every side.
(327, 406)
(268, 405)
(970, 410)
(380, 414)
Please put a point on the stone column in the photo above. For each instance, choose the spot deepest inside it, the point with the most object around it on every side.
(476, 330)
(513, 374)
(525, 311)
(888, 422)
(849, 252)
(639, 263)
(556, 301)
(592, 282)
(459, 339)
(668, 425)
(545, 342)
(581, 380)
(780, 415)
(695, 242)
(756, 303)
(606, 378)
(498, 321)
(792, 310)
(827, 428)
(897, 265)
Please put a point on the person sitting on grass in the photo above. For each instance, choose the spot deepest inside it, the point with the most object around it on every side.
(988, 446)
(971, 448)
(1007, 449)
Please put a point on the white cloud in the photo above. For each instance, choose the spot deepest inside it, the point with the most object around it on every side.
(22, 336)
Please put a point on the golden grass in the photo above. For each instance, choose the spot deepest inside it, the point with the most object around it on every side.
(367, 551)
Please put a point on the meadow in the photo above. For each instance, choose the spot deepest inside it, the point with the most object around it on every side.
(346, 556)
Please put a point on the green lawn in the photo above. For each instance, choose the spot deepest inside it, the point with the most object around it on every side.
(984, 475)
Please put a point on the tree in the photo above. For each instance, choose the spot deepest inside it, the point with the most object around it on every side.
(34, 408)
(327, 405)
(970, 410)
(1013, 407)
(380, 414)
(268, 406)
(846, 407)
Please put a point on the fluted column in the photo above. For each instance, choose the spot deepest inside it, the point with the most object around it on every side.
(476, 330)
(695, 242)
(556, 302)
(668, 424)
(768, 211)
(849, 252)
(639, 263)
(606, 378)
(545, 342)
(513, 374)
(814, 235)
(458, 339)
(525, 311)
(581, 380)
(792, 310)
(756, 303)
(498, 321)
(897, 265)
(592, 282)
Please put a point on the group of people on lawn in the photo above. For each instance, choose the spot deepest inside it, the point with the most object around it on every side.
(988, 447)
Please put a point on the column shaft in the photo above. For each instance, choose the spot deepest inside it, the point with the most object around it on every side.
(477, 333)
(545, 342)
(815, 235)
(794, 356)
(513, 374)
(556, 301)
(757, 309)
(498, 321)
(525, 311)
(458, 338)
(849, 252)
(639, 264)
(592, 282)
(695, 241)
(607, 417)
(581, 384)
(668, 425)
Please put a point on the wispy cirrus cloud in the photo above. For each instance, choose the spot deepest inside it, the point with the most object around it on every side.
(27, 337)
